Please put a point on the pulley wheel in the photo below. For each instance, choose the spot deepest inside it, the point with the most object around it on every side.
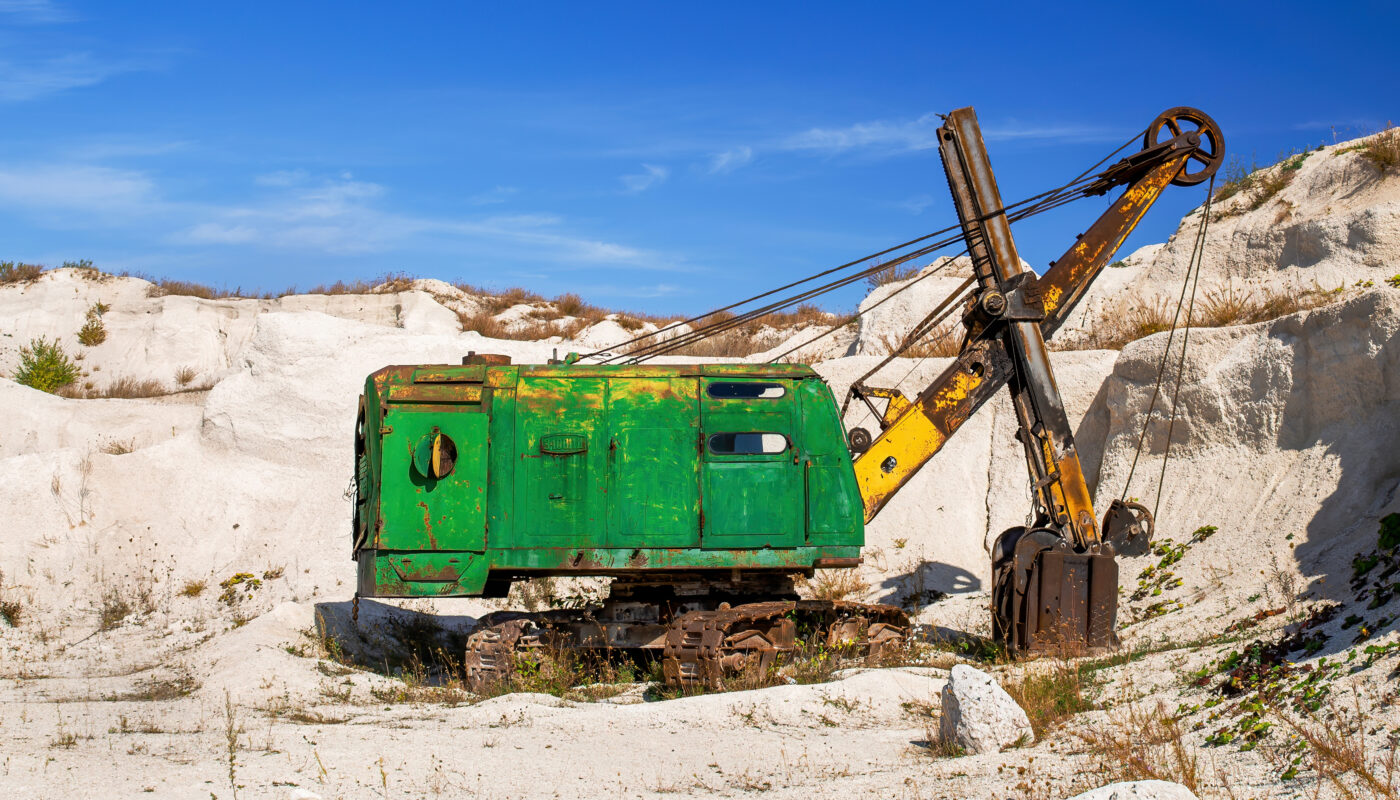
(859, 440)
(1209, 154)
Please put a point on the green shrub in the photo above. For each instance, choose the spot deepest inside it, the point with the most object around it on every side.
(44, 366)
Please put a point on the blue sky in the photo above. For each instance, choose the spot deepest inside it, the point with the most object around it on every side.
(659, 157)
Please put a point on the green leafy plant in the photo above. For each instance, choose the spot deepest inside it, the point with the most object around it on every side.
(44, 366)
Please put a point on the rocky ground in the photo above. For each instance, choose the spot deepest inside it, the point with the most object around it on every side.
(176, 582)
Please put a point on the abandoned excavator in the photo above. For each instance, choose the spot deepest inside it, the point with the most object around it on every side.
(704, 490)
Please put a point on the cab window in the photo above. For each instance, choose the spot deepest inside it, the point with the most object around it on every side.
(746, 390)
(748, 444)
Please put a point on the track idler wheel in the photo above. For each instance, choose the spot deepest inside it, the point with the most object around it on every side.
(1047, 597)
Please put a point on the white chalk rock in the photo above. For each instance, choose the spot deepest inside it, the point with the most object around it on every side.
(1138, 790)
(978, 715)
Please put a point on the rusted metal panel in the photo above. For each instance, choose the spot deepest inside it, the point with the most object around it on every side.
(446, 393)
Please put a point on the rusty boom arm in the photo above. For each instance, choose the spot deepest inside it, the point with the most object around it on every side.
(1056, 580)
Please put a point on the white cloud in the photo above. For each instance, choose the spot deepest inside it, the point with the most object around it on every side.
(921, 133)
(77, 187)
(730, 159)
(297, 211)
(29, 79)
(652, 175)
(917, 134)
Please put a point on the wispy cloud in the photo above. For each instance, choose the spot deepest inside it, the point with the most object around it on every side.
(29, 79)
(77, 187)
(730, 159)
(916, 134)
(651, 175)
(921, 133)
(915, 205)
(34, 12)
(494, 196)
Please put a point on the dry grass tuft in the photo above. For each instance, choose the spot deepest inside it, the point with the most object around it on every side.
(835, 585)
(1051, 691)
(184, 375)
(118, 447)
(1142, 744)
(1340, 756)
(193, 588)
(1383, 150)
(127, 387)
(890, 274)
(1217, 308)
(115, 608)
(15, 272)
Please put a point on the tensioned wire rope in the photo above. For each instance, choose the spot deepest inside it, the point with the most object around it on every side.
(1035, 205)
(1191, 280)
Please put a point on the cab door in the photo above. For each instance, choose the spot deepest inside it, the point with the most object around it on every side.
(654, 462)
(752, 484)
(561, 476)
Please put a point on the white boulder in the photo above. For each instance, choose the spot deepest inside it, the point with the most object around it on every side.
(1139, 790)
(979, 716)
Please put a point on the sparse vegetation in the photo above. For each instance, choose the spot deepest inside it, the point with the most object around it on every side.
(1142, 743)
(1383, 150)
(1256, 185)
(891, 274)
(125, 387)
(93, 331)
(114, 610)
(1217, 308)
(185, 375)
(44, 366)
(1051, 691)
(836, 585)
(16, 272)
(118, 447)
(11, 609)
(192, 588)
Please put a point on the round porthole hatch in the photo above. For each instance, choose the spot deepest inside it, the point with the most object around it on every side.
(435, 455)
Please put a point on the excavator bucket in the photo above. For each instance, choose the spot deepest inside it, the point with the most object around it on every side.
(1046, 597)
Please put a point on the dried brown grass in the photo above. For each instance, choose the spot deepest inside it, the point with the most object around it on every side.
(125, 387)
(1140, 743)
(1217, 308)
(16, 272)
(1052, 690)
(1383, 150)
(1336, 744)
(835, 585)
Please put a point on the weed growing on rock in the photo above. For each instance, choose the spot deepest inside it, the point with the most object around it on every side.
(44, 366)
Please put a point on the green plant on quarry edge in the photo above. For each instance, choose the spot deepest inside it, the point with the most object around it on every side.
(44, 366)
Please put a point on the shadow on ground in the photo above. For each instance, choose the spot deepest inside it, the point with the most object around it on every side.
(392, 640)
